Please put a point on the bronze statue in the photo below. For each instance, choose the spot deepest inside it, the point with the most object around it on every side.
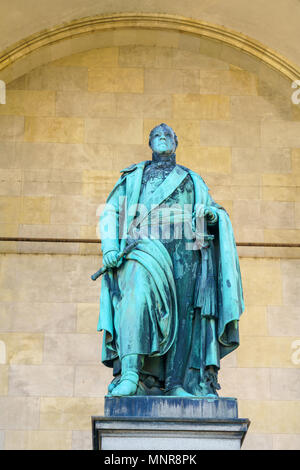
(171, 293)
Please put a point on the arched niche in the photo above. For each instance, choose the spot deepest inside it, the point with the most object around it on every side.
(148, 29)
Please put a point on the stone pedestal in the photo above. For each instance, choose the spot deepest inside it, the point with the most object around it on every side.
(169, 423)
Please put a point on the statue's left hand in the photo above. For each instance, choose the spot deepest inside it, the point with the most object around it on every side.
(211, 214)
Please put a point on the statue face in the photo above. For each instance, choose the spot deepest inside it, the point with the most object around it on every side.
(163, 140)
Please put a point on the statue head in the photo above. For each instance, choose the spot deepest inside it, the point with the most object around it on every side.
(163, 140)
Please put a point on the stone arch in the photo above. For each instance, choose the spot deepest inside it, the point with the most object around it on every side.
(86, 33)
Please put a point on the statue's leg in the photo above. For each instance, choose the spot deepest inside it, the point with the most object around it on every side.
(131, 366)
(201, 377)
(177, 357)
(209, 360)
(135, 331)
(133, 328)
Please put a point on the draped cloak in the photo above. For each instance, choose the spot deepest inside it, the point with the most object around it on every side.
(218, 296)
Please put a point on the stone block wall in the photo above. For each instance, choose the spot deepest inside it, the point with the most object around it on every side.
(66, 131)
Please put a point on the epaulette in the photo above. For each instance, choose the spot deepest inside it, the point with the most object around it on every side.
(129, 168)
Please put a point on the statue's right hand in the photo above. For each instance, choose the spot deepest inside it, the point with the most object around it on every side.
(110, 259)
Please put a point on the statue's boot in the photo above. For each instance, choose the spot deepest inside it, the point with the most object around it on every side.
(178, 392)
(131, 365)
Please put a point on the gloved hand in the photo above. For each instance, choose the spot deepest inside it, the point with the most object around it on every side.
(211, 214)
(110, 259)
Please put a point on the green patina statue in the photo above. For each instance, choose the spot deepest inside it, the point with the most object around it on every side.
(171, 293)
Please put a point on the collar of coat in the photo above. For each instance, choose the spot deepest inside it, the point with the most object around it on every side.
(142, 164)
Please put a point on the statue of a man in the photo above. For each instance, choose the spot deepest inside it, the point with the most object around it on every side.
(170, 306)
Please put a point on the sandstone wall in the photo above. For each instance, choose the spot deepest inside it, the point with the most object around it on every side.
(66, 131)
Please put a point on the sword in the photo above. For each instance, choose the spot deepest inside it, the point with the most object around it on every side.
(123, 253)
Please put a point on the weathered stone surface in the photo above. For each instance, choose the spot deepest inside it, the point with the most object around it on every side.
(51, 77)
(109, 80)
(195, 423)
(114, 131)
(107, 56)
(268, 351)
(81, 440)
(285, 384)
(71, 348)
(68, 413)
(11, 128)
(38, 440)
(54, 129)
(21, 410)
(254, 273)
(171, 407)
(32, 103)
(38, 317)
(43, 380)
(23, 348)
(286, 441)
(251, 383)
(271, 416)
